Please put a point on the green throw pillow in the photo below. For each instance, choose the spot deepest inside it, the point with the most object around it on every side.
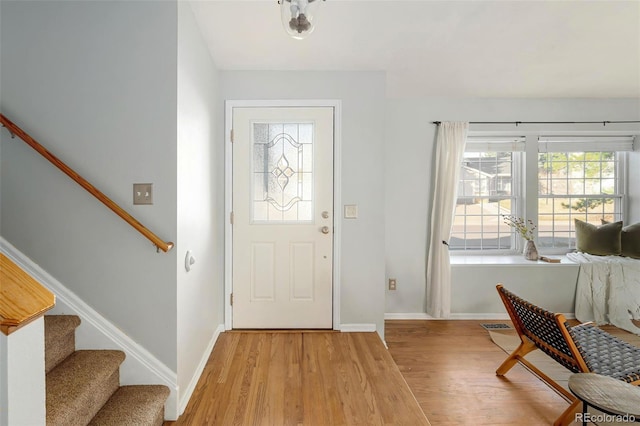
(631, 241)
(605, 240)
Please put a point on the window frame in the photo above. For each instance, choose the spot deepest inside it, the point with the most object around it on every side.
(525, 175)
(620, 197)
(517, 186)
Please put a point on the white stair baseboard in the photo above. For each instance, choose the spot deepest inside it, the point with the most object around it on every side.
(96, 332)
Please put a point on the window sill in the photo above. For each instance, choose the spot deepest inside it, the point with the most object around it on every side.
(506, 259)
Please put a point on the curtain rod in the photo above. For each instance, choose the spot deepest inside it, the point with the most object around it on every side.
(517, 123)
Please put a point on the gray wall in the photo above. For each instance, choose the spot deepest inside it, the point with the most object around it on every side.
(362, 95)
(95, 82)
(474, 294)
(408, 178)
(200, 206)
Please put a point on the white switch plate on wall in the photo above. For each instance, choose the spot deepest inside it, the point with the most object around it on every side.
(350, 211)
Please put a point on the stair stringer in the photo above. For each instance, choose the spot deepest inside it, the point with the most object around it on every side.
(96, 332)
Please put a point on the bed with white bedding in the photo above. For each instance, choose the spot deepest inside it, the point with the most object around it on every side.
(608, 290)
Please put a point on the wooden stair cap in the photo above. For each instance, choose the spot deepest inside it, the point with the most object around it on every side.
(22, 298)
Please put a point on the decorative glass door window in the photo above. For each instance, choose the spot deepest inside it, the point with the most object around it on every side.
(282, 184)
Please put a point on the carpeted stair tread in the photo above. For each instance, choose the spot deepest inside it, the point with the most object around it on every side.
(59, 338)
(80, 385)
(139, 405)
(57, 326)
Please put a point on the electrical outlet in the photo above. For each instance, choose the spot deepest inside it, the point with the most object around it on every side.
(392, 283)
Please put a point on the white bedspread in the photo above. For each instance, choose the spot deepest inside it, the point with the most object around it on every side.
(608, 290)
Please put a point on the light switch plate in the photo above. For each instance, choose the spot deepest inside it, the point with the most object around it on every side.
(142, 193)
(350, 211)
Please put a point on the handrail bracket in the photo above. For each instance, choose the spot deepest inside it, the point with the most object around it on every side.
(13, 135)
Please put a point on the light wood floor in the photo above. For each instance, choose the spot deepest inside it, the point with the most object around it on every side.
(450, 367)
(295, 378)
(321, 378)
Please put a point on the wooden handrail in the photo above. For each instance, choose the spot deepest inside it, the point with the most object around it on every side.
(23, 299)
(17, 131)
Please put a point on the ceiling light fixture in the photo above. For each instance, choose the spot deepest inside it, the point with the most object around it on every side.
(298, 17)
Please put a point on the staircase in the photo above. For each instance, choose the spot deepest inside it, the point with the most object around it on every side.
(83, 387)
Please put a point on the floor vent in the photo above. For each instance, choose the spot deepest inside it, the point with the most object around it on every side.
(496, 326)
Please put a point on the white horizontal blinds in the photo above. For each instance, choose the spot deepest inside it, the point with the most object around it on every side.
(585, 143)
(495, 144)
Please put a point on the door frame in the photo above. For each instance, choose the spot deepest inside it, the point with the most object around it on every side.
(336, 104)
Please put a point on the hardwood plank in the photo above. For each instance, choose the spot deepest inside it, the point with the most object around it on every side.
(322, 401)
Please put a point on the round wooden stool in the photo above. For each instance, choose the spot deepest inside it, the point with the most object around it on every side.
(611, 396)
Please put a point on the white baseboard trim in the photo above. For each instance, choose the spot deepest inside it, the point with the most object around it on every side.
(497, 316)
(456, 316)
(186, 396)
(96, 332)
(406, 316)
(357, 328)
(474, 316)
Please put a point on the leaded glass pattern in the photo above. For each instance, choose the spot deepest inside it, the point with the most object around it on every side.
(282, 184)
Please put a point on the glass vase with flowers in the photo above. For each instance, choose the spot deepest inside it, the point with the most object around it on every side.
(525, 229)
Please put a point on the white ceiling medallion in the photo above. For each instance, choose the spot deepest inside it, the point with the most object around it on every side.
(298, 16)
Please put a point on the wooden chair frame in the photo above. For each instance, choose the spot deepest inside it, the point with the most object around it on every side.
(565, 350)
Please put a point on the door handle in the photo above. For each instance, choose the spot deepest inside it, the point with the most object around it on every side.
(324, 229)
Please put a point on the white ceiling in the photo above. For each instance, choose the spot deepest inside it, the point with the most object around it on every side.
(567, 48)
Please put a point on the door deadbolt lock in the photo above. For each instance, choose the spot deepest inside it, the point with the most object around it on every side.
(325, 214)
(325, 229)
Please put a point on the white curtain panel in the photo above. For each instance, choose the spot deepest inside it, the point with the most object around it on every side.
(452, 137)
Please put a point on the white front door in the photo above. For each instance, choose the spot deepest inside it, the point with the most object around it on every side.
(282, 217)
